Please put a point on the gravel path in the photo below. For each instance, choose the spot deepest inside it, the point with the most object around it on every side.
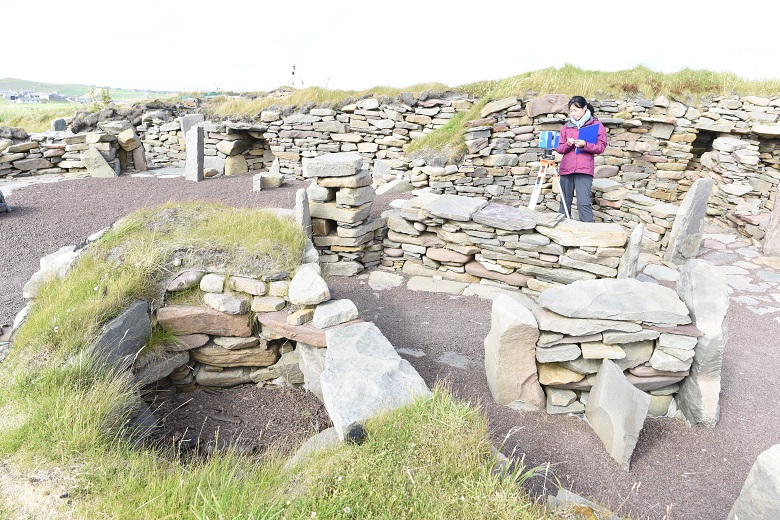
(690, 473)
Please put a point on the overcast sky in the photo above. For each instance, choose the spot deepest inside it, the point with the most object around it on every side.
(355, 45)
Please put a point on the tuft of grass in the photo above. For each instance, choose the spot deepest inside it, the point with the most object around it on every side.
(152, 486)
(429, 459)
(68, 411)
(445, 143)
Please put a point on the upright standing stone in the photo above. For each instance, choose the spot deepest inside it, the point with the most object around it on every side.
(772, 237)
(704, 290)
(364, 376)
(193, 166)
(139, 159)
(189, 121)
(510, 355)
(685, 238)
(630, 259)
(616, 411)
(302, 215)
(760, 495)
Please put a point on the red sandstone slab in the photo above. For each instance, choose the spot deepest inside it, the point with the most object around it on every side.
(185, 320)
(306, 333)
(188, 342)
(516, 279)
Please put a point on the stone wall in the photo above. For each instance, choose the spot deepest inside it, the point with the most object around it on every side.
(157, 141)
(615, 350)
(467, 239)
(657, 149)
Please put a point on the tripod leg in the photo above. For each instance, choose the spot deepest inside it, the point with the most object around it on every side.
(563, 196)
(537, 188)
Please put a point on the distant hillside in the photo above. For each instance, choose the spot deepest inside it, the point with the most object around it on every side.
(77, 90)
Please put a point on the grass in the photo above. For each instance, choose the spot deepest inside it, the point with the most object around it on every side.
(34, 117)
(431, 459)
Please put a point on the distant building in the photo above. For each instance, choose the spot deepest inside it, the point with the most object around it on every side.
(9, 95)
(26, 96)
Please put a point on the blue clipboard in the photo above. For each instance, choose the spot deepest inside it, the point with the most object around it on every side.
(589, 134)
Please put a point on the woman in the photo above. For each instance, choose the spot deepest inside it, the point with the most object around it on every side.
(582, 137)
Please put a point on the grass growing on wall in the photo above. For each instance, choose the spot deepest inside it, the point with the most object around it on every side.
(130, 261)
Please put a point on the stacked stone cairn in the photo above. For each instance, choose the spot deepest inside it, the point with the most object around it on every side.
(616, 350)
(468, 239)
(340, 199)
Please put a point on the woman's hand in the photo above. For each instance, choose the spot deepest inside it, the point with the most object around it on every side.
(570, 141)
(579, 143)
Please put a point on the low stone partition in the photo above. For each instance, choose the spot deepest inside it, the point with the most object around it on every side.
(469, 239)
(615, 350)
(158, 139)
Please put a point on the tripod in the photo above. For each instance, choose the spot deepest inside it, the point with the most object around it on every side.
(547, 168)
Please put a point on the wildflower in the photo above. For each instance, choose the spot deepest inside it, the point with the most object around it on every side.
(347, 510)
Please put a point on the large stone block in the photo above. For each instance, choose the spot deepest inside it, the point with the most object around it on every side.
(759, 498)
(364, 376)
(197, 320)
(510, 354)
(339, 164)
(124, 336)
(703, 288)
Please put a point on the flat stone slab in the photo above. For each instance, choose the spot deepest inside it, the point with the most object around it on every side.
(306, 333)
(506, 217)
(454, 207)
(616, 411)
(573, 233)
(622, 299)
(185, 320)
(364, 376)
(424, 283)
(339, 164)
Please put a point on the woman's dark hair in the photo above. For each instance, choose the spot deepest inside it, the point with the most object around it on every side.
(581, 102)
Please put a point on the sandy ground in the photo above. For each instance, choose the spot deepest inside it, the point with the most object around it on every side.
(689, 473)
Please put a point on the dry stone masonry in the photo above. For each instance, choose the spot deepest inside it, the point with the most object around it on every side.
(468, 239)
(658, 149)
(617, 350)
(229, 330)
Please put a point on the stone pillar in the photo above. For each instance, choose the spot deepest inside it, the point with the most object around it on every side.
(354, 242)
(630, 259)
(685, 238)
(302, 215)
(772, 237)
(193, 166)
(190, 121)
(703, 289)
(510, 355)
